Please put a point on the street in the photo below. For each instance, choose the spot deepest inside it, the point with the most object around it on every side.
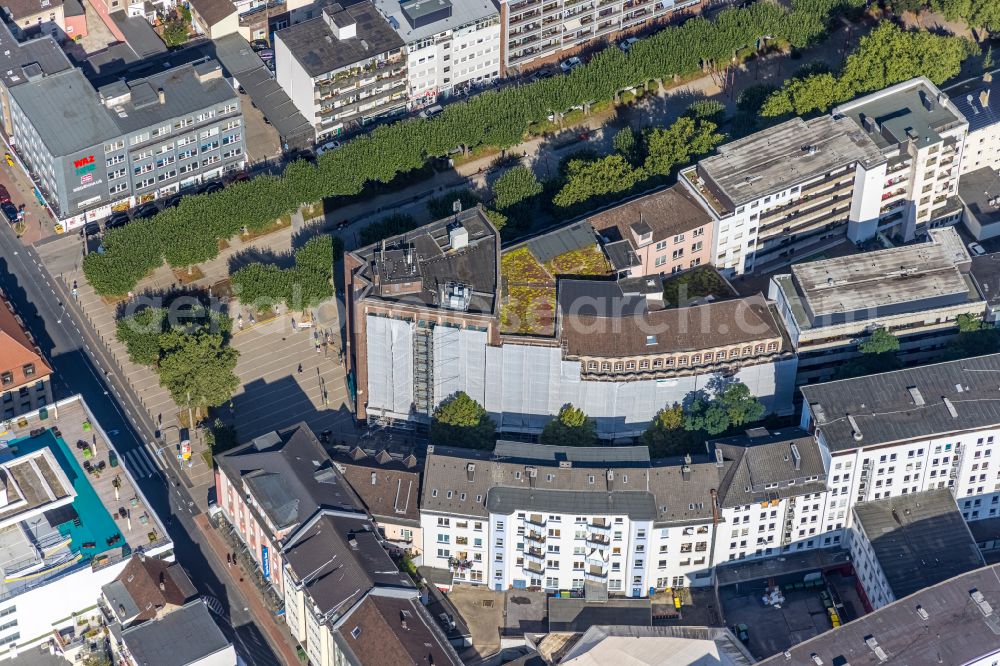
(41, 303)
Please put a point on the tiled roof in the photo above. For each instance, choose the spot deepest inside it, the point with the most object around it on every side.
(667, 213)
(696, 328)
(18, 351)
(141, 579)
(389, 490)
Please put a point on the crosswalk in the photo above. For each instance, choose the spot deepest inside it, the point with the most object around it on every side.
(140, 464)
(214, 605)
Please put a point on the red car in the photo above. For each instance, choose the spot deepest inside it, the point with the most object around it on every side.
(4, 194)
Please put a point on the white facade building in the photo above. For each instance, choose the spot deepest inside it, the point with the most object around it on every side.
(884, 163)
(450, 47)
(978, 101)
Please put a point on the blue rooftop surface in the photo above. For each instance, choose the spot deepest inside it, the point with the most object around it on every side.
(92, 530)
(968, 98)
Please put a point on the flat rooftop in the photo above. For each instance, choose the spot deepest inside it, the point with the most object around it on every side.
(453, 15)
(908, 404)
(920, 539)
(980, 191)
(777, 158)
(986, 272)
(954, 630)
(914, 110)
(70, 458)
(422, 267)
(902, 279)
(313, 44)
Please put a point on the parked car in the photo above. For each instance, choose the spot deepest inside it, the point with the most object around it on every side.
(209, 188)
(4, 194)
(976, 250)
(145, 211)
(266, 54)
(570, 64)
(431, 111)
(326, 147)
(9, 211)
(259, 44)
(627, 43)
(89, 229)
(742, 632)
(119, 219)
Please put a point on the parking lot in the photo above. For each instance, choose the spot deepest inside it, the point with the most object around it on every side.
(803, 614)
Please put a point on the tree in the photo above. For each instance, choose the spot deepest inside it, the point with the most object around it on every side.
(140, 333)
(988, 62)
(444, 205)
(753, 97)
(707, 109)
(570, 427)
(975, 338)
(515, 187)
(625, 144)
(587, 180)
(666, 435)
(198, 369)
(678, 143)
(732, 407)
(389, 225)
(880, 341)
(461, 421)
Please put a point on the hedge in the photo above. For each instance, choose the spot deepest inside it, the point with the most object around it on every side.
(190, 233)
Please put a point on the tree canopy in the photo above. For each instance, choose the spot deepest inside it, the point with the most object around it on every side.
(306, 284)
(461, 421)
(571, 427)
(516, 186)
(732, 407)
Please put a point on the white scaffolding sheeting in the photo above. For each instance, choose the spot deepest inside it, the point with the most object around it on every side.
(390, 367)
(459, 363)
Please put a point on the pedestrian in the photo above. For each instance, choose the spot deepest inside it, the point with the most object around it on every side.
(229, 559)
(294, 327)
(300, 367)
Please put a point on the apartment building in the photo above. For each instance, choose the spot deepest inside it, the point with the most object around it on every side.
(786, 191)
(536, 32)
(343, 69)
(773, 498)
(25, 375)
(127, 142)
(451, 47)
(977, 101)
(953, 622)
(21, 62)
(556, 518)
(908, 543)
(389, 488)
(921, 134)
(884, 163)
(916, 292)
(270, 487)
(979, 192)
(346, 602)
(659, 234)
(33, 17)
(909, 431)
(431, 314)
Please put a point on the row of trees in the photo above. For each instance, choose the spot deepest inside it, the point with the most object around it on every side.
(886, 56)
(676, 430)
(306, 284)
(191, 232)
(189, 351)
(977, 13)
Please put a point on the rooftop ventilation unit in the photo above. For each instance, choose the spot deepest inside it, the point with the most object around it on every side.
(855, 430)
(981, 603)
(877, 649)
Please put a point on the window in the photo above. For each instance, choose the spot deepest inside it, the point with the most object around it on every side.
(28, 369)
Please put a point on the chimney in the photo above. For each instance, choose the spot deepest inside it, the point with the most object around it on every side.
(984, 98)
(161, 95)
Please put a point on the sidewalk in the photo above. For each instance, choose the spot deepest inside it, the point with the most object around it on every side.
(278, 638)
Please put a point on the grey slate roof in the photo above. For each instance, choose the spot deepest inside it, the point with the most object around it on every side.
(318, 51)
(564, 239)
(966, 98)
(920, 539)
(15, 56)
(760, 458)
(667, 491)
(139, 34)
(290, 475)
(340, 557)
(884, 410)
(184, 636)
(69, 115)
(955, 631)
(637, 505)
(578, 615)
(579, 456)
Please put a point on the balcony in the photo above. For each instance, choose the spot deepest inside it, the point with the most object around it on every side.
(535, 554)
(536, 519)
(596, 572)
(534, 537)
(534, 567)
(599, 525)
(598, 541)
